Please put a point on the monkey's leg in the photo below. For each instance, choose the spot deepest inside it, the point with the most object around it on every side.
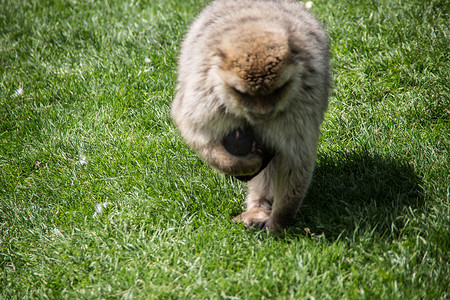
(259, 199)
(291, 183)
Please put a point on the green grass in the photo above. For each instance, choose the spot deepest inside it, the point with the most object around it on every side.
(85, 92)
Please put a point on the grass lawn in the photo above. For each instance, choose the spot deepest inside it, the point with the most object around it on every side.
(101, 198)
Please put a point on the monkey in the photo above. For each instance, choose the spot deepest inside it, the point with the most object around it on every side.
(263, 66)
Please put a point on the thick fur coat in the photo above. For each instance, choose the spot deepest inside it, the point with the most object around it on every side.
(263, 64)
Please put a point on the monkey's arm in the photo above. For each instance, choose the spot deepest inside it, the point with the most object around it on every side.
(214, 153)
(203, 131)
(218, 157)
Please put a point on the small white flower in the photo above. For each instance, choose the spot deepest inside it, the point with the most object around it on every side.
(148, 60)
(308, 5)
(18, 92)
(82, 160)
(99, 208)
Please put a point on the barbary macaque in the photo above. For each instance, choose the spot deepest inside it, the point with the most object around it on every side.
(253, 87)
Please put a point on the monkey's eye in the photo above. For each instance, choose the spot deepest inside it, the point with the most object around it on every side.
(280, 89)
(240, 93)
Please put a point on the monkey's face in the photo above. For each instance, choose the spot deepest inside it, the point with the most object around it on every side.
(257, 72)
(257, 102)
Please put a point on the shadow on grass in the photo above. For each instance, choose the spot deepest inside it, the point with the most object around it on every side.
(359, 192)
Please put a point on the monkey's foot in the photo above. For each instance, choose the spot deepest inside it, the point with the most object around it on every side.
(260, 218)
(274, 226)
(255, 217)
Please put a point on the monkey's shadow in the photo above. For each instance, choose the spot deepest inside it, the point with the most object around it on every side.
(358, 191)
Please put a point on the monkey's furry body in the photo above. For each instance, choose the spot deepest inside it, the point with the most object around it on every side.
(263, 64)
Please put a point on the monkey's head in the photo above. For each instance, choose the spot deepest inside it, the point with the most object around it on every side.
(256, 68)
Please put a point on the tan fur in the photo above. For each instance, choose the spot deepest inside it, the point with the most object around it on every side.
(263, 64)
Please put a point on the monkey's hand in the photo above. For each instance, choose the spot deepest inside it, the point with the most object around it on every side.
(237, 153)
(246, 165)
